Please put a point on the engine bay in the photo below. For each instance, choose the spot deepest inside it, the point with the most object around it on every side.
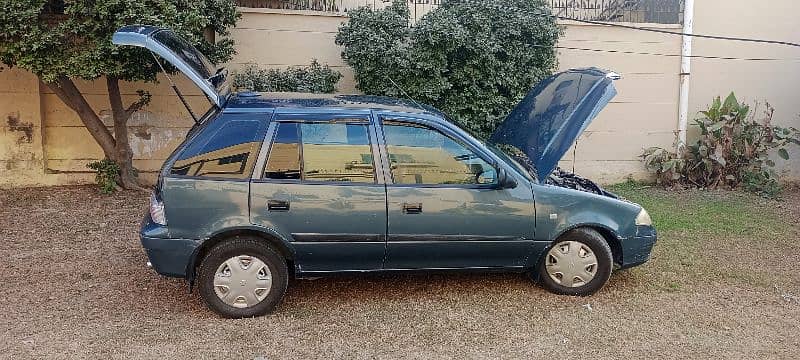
(569, 180)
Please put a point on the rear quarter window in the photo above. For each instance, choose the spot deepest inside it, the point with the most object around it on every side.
(226, 149)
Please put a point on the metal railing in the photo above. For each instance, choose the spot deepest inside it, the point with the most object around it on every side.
(637, 11)
(326, 5)
(417, 7)
(640, 11)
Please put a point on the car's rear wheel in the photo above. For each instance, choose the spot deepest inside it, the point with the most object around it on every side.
(579, 263)
(242, 277)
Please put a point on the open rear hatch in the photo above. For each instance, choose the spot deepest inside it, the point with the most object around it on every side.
(183, 56)
(543, 126)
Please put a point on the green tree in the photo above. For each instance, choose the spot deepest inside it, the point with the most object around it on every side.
(64, 40)
(474, 60)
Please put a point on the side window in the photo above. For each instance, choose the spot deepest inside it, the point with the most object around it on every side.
(227, 148)
(321, 152)
(284, 155)
(421, 155)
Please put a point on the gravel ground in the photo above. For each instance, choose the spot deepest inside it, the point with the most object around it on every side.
(75, 286)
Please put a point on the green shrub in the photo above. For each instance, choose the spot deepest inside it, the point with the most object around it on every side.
(107, 175)
(472, 60)
(315, 78)
(732, 151)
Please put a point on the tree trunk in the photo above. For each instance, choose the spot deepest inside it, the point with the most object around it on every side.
(124, 154)
(66, 90)
(117, 147)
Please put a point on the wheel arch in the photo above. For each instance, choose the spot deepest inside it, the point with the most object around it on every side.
(278, 242)
(612, 238)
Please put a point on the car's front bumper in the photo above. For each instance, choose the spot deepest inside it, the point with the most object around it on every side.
(168, 256)
(637, 249)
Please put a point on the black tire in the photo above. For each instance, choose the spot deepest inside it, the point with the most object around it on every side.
(237, 246)
(601, 250)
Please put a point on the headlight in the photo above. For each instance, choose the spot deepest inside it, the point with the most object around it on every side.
(643, 219)
(157, 210)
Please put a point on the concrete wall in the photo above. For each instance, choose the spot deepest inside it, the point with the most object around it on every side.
(645, 111)
(281, 38)
(643, 114)
(773, 81)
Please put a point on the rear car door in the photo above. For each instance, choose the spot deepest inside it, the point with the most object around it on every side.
(319, 188)
(445, 209)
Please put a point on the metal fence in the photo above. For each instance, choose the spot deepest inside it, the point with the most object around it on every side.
(330, 5)
(638, 11)
(641, 11)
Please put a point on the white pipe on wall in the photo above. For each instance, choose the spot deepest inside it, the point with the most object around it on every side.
(686, 70)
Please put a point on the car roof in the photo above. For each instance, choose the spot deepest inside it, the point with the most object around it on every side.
(251, 100)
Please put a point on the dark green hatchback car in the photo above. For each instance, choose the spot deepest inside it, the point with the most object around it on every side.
(272, 186)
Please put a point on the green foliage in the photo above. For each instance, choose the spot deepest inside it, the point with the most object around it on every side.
(472, 60)
(78, 44)
(107, 175)
(732, 150)
(315, 78)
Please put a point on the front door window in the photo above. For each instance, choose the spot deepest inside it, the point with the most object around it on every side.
(421, 155)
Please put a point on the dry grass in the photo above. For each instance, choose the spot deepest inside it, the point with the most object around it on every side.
(75, 286)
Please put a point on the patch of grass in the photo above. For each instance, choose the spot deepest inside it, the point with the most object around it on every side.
(707, 235)
(711, 212)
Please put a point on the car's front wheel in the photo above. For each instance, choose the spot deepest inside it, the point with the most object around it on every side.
(579, 263)
(242, 277)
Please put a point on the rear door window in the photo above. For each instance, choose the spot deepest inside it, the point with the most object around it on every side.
(322, 152)
(226, 149)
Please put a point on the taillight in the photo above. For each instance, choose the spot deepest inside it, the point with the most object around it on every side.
(157, 210)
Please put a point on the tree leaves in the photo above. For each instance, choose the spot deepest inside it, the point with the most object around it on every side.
(78, 43)
(315, 78)
(732, 150)
(474, 61)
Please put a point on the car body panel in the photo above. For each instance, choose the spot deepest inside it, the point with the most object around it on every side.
(459, 227)
(199, 208)
(554, 113)
(332, 227)
(559, 210)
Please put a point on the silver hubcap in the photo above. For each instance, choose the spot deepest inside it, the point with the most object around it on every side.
(242, 281)
(571, 264)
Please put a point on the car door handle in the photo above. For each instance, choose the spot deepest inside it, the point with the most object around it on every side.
(413, 208)
(277, 205)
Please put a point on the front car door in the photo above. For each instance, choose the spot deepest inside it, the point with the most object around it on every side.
(319, 188)
(445, 209)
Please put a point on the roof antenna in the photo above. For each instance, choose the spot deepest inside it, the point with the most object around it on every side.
(175, 89)
(405, 93)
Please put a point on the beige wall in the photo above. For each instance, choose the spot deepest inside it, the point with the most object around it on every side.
(643, 114)
(280, 38)
(645, 111)
(774, 81)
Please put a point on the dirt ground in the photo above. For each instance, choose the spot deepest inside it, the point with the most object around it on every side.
(75, 285)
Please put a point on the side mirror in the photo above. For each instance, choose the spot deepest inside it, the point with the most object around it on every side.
(504, 181)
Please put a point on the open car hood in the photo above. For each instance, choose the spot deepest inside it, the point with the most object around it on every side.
(181, 54)
(544, 125)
